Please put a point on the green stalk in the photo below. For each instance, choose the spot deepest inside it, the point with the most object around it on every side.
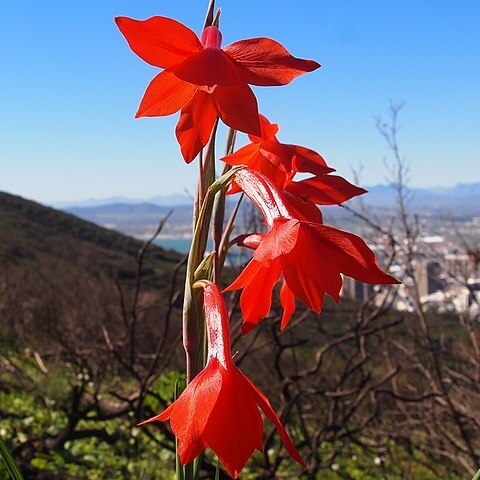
(477, 476)
(219, 214)
(192, 324)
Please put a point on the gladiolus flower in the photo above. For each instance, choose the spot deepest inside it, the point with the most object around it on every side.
(280, 162)
(206, 81)
(310, 256)
(220, 407)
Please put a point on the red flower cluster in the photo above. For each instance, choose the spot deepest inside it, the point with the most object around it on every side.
(206, 81)
(220, 407)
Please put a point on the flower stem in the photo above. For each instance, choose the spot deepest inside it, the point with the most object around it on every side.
(192, 324)
(219, 214)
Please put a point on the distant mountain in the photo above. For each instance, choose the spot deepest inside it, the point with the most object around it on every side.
(462, 199)
(138, 219)
(162, 200)
(376, 193)
(141, 218)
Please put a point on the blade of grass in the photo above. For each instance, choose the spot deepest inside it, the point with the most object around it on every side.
(477, 476)
(180, 475)
(9, 462)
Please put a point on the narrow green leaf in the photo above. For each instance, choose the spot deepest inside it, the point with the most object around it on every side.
(224, 180)
(9, 462)
(204, 270)
(197, 464)
(477, 476)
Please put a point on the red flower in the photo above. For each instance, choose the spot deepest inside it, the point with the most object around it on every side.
(204, 80)
(219, 408)
(311, 256)
(280, 162)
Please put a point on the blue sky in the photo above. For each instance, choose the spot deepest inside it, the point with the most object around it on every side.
(70, 86)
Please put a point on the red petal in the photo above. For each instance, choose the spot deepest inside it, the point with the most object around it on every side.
(277, 154)
(269, 130)
(351, 255)
(264, 404)
(279, 241)
(302, 209)
(251, 240)
(161, 417)
(307, 160)
(260, 160)
(287, 299)
(190, 413)
(195, 125)
(320, 255)
(165, 94)
(209, 68)
(308, 284)
(256, 298)
(233, 188)
(242, 156)
(266, 62)
(310, 269)
(263, 193)
(256, 158)
(235, 427)
(216, 319)
(160, 41)
(246, 275)
(237, 107)
(325, 189)
(261, 163)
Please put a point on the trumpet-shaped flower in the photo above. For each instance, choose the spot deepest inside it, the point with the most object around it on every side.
(220, 407)
(310, 256)
(280, 162)
(204, 80)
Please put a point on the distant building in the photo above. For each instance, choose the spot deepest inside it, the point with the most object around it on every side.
(428, 277)
(460, 265)
(355, 290)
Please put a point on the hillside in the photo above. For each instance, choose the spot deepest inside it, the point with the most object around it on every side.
(34, 234)
(64, 280)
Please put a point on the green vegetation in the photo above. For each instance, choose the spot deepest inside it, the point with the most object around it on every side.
(26, 416)
(121, 449)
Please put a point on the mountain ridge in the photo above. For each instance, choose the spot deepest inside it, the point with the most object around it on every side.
(376, 192)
